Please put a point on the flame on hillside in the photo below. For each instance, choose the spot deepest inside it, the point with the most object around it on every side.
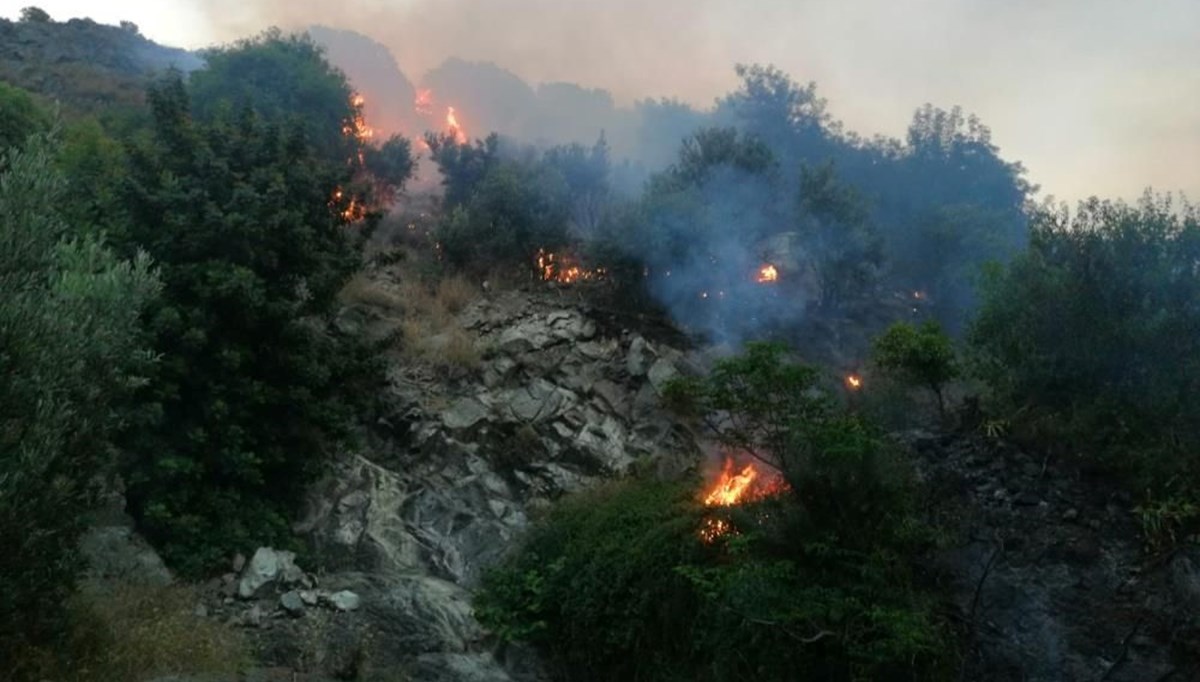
(854, 382)
(460, 136)
(565, 268)
(423, 103)
(731, 488)
(767, 274)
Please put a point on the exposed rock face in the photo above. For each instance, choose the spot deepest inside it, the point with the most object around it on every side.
(403, 531)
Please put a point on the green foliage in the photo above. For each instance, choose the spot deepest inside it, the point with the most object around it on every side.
(1167, 521)
(252, 391)
(921, 355)
(71, 353)
(20, 116)
(503, 209)
(284, 79)
(35, 15)
(1090, 339)
(815, 583)
(463, 165)
(836, 223)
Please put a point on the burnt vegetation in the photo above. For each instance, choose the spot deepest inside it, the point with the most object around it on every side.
(175, 244)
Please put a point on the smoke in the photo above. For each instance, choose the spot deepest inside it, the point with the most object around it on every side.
(1096, 96)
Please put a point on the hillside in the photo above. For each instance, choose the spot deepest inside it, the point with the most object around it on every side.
(86, 66)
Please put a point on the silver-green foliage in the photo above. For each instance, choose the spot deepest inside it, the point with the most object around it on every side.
(70, 354)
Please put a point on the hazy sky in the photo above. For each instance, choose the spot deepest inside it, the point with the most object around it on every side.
(1094, 96)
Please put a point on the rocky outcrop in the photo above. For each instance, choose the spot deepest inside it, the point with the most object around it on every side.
(402, 531)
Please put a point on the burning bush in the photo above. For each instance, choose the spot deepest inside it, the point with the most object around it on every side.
(746, 576)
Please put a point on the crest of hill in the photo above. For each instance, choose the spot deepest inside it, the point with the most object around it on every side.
(85, 66)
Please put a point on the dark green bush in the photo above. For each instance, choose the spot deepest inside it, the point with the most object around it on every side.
(71, 353)
(921, 355)
(1090, 340)
(813, 583)
(252, 391)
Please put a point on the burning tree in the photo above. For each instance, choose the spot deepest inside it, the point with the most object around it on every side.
(774, 414)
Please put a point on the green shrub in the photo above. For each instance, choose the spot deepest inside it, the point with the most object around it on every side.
(812, 583)
(923, 356)
(1089, 340)
(71, 353)
(252, 391)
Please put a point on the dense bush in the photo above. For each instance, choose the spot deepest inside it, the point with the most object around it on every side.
(1091, 338)
(920, 355)
(71, 353)
(813, 583)
(20, 116)
(252, 392)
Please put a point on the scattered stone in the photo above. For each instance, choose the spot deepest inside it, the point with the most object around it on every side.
(464, 414)
(309, 597)
(239, 562)
(637, 362)
(253, 617)
(660, 373)
(292, 602)
(345, 600)
(1070, 514)
(266, 566)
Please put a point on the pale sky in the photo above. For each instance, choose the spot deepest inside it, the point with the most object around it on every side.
(1093, 96)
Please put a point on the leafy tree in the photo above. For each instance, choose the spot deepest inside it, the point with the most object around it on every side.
(1091, 337)
(921, 355)
(71, 352)
(463, 165)
(284, 79)
(252, 391)
(515, 209)
(35, 15)
(836, 222)
(20, 116)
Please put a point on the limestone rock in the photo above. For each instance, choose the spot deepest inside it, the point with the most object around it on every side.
(464, 414)
(267, 566)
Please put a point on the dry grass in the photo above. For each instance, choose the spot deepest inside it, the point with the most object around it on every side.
(363, 290)
(123, 632)
(454, 293)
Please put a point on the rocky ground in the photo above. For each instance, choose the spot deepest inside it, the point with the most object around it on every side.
(401, 530)
(1048, 579)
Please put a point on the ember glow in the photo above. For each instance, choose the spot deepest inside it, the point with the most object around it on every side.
(853, 382)
(731, 488)
(767, 273)
(423, 103)
(565, 269)
(460, 136)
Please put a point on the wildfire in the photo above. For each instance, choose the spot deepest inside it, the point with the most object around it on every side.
(424, 102)
(853, 382)
(353, 212)
(460, 136)
(564, 269)
(730, 488)
(767, 273)
(357, 126)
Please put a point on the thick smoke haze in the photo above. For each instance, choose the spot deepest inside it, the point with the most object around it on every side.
(1094, 96)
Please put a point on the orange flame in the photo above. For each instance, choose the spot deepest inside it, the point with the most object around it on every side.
(564, 269)
(767, 273)
(853, 382)
(460, 136)
(424, 102)
(730, 489)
